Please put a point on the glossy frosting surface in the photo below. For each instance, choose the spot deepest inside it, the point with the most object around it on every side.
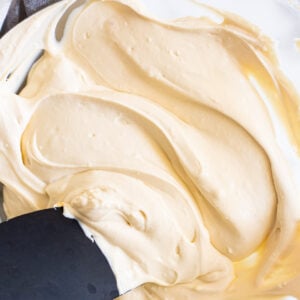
(174, 144)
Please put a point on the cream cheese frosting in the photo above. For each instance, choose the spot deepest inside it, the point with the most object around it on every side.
(174, 144)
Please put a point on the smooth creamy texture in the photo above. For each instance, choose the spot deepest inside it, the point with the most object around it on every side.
(297, 43)
(176, 146)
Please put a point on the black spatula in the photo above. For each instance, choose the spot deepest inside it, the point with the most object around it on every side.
(44, 255)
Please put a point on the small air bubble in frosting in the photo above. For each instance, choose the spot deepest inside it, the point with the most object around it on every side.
(194, 238)
(86, 35)
(229, 250)
(92, 135)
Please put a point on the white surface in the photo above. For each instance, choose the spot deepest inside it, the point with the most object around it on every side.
(4, 5)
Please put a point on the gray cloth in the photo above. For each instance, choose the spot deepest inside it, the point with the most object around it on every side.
(20, 10)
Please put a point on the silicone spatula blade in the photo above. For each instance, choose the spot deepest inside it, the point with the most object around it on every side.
(44, 255)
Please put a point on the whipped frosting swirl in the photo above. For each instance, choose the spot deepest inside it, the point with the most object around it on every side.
(174, 144)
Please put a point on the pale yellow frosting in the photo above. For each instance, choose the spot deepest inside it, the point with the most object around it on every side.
(174, 144)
